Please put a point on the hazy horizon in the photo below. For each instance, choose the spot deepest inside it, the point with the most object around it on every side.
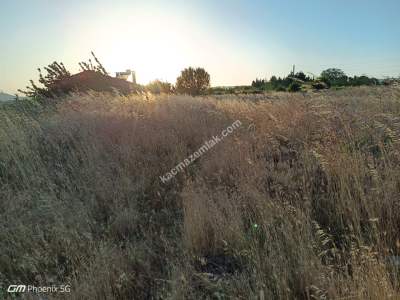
(235, 41)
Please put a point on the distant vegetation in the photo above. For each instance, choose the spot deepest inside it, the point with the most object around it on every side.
(192, 81)
(332, 77)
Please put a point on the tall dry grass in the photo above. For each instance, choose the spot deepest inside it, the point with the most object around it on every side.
(300, 202)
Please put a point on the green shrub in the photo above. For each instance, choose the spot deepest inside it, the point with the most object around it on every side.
(294, 87)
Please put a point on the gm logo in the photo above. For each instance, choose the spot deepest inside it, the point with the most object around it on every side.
(13, 288)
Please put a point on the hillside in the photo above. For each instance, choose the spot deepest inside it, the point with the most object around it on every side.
(6, 97)
(299, 201)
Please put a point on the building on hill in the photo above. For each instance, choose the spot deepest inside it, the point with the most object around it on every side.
(128, 75)
(92, 80)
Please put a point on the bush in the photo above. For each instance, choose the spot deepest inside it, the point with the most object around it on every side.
(294, 87)
(334, 77)
(280, 89)
(319, 85)
(159, 87)
(193, 81)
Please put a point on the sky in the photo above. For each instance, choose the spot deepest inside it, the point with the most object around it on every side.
(236, 41)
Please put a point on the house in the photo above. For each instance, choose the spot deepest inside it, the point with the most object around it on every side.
(128, 75)
(92, 80)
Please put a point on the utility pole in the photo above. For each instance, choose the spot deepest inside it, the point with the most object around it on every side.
(294, 70)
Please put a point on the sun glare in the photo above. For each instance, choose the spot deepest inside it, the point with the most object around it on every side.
(155, 48)
(158, 45)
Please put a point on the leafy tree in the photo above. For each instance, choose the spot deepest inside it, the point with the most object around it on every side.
(193, 81)
(273, 80)
(334, 77)
(158, 87)
(55, 73)
(301, 76)
(89, 66)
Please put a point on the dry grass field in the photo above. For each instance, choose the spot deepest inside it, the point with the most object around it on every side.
(302, 201)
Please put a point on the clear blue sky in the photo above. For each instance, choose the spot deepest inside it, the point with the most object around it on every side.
(235, 40)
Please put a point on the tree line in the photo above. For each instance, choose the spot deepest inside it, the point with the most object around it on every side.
(331, 77)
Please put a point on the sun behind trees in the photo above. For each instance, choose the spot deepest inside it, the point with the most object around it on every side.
(59, 82)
